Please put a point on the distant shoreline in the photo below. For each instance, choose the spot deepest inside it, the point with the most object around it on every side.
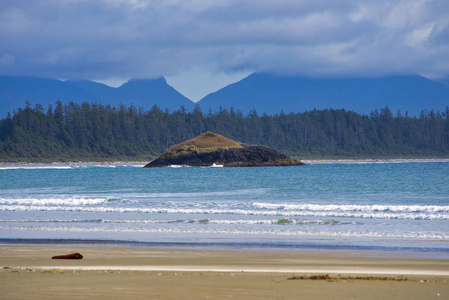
(142, 163)
(387, 160)
(74, 163)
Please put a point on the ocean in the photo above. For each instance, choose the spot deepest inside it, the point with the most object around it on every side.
(394, 207)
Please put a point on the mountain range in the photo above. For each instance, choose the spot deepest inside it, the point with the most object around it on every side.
(266, 93)
(270, 94)
(15, 91)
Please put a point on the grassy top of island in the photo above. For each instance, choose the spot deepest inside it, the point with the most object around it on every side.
(204, 143)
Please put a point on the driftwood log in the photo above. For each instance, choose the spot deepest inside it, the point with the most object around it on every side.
(68, 256)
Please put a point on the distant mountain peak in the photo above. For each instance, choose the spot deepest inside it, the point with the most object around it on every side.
(15, 90)
(271, 94)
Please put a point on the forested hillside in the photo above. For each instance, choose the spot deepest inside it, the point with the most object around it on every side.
(91, 131)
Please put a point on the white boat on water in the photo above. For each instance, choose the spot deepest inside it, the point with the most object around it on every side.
(214, 165)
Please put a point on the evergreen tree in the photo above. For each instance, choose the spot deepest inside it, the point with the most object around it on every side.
(92, 131)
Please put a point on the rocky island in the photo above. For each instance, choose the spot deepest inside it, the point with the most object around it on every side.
(210, 148)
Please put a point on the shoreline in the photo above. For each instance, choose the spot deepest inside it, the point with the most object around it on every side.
(391, 160)
(393, 251)
(74, 163)
(142, 163)
(164, 273)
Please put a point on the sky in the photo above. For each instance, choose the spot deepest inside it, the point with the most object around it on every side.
(200, 46)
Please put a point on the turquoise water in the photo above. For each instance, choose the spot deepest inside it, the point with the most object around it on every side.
(371, 206)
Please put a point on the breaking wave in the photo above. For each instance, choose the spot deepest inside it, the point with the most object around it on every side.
(189, 221)
(429, 213)
(355, 208)
(55, 201)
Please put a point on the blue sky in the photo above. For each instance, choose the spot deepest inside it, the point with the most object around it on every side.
(203, 45)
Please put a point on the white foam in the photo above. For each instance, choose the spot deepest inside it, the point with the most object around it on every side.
(36, 167)
(344, 234)
(53, 201)
(355, 208)
(214, 165)
(52, 221)
(322, 214)
(178, 166)
(171, 221)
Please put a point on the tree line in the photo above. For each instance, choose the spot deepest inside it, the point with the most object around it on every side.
(92, 131)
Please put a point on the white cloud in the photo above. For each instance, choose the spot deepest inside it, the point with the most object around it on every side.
(149, 38)
(14, 22)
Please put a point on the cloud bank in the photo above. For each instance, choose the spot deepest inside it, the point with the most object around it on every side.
(107, 39)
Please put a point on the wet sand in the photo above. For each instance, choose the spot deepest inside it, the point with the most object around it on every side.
(28, 272)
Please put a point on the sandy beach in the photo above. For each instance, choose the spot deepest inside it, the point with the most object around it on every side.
(107, 272)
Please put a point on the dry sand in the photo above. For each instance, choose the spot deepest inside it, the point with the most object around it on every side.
(28, 272)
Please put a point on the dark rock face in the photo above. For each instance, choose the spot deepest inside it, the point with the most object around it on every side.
(247, 156)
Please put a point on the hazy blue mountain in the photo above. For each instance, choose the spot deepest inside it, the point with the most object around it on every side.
(272, 94)
(15, 91)
(444, 81)
(98, 91)
(146, 93)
